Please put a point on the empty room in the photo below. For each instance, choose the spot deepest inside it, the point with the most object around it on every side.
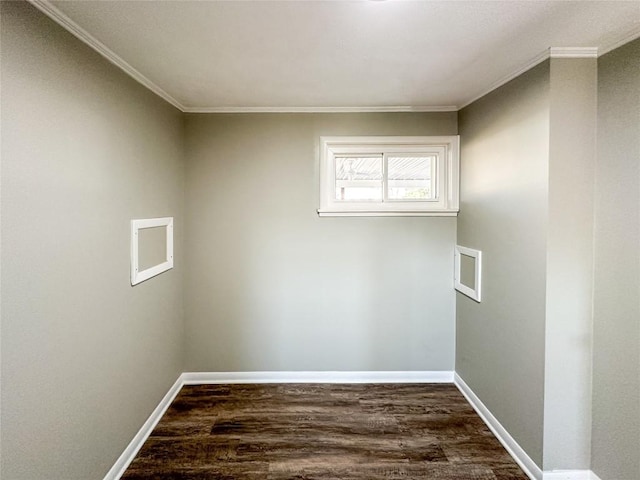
(320, 240)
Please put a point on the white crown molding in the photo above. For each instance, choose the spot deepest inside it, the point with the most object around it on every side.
(63, 20)
(573, 52)
(507, 78)
(379, 109)
(118, 468)
(197, 378)
(553, 52)
(619, 41)
(67, 23)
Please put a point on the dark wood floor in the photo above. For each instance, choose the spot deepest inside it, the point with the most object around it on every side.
(311, 431)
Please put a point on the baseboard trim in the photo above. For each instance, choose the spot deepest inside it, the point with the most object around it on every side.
(508, 442)
(195, 378)
(138, 440)
(569, 475)
(200, 378)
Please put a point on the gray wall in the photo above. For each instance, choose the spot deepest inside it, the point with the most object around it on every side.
(503, 213)
(569, 298)
(271, 286)
(85, 357)
(616, 344)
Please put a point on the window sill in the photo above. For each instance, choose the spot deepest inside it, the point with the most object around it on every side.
(382, 213)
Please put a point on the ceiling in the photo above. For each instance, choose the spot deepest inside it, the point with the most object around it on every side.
(216, 56)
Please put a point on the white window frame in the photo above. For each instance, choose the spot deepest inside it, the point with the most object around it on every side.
(446, 149)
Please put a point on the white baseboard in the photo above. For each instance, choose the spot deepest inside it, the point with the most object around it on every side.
(569, 475)
(197, 378)
(516, 451)
(134, 446)
(191, 378)
(519, 455)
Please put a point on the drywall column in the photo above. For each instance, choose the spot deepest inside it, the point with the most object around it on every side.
(572, 147)
(616, 324)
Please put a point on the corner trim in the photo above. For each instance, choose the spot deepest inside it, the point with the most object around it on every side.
(129, 453)
(72, 27)
(573, 52)
(196, 378)
(508, 442)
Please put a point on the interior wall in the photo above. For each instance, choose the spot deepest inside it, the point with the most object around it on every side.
(269, 285)
(503, 212)
(569, 297)
(85, 149)
(616, 324)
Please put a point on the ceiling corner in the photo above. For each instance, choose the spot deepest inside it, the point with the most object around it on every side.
(46, 7)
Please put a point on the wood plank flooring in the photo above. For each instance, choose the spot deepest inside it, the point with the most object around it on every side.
(319, 431)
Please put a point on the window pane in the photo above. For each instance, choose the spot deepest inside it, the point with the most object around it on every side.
(359, 178)
(410, 178)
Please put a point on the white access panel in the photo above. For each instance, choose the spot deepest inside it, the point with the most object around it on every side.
(472, 291)
(138, 276)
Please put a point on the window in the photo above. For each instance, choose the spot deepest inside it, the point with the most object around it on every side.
(376, 176)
